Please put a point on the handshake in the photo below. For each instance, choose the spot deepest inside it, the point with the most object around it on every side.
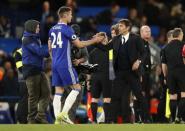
(100, 37)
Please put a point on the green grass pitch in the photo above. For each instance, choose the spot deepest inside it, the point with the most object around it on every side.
(93, 127)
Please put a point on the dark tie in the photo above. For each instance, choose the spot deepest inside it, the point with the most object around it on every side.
(122, 40)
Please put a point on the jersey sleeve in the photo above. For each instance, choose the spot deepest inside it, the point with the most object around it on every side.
(183, 52)
(70, 34)
(163, 56)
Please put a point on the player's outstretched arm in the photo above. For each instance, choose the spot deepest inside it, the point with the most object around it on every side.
(94, 40)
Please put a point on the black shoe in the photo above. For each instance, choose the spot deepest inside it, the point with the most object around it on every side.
(147, 121)
(32, 122)
(41, 121)
(179, 121)
(139, 122)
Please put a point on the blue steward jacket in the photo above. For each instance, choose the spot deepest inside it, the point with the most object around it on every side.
(32, 54)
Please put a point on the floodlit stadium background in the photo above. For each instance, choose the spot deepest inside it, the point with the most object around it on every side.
(160, 15)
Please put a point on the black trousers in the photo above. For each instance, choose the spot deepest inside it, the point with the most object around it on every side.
(162, 105)
(120, 95)
(146, 86)
(125, 82)
(22, 108)
(135, 85)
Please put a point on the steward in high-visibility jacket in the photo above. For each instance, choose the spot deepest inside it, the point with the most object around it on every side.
(18, 60)
(22, 108)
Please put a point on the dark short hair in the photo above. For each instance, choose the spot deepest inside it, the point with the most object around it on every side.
(116, 28)
(169, 34)
(63, 10)
(31, 25)
(126, 22)
(176, 32)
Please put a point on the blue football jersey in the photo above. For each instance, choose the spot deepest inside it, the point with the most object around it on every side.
(61, 36)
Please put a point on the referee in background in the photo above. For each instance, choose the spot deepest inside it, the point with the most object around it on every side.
(163, 110)
(175, 74)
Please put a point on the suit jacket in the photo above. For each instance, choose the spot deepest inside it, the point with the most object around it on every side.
(147, 62)
(134, 46)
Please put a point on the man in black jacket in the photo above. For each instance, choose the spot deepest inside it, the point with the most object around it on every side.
(175, 74)
(162, 113)
(128, 54)
(145, 33)
(100, 83)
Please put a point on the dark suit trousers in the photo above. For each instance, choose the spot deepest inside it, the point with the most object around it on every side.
(135, 85)
(125, 82)
(120, 95)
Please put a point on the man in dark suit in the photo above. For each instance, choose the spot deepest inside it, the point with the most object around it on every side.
(128, 54)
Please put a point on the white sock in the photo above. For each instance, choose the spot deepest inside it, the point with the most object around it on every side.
(57, 104)
(71, 98)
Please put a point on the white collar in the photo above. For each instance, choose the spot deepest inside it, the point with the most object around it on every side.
(62, 23)
(126, 37)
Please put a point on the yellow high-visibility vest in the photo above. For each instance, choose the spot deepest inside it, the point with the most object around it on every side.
(167, 110)
(18, 63)
(111, 54)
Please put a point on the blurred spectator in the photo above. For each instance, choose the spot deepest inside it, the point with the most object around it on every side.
(161, 41)
(89, 27)
(108, 15)
(164, 15)
(5, 27)
(2, 57)
(11, 87)
(7, 62)
(49, 22)
(46, 11)
(73, 5)
(133, 17)
(176, 9)
(151, 11)
(1, 79)
(1, 73)
(177, 15)
(7, 65)
(10, 83)
(143, 20)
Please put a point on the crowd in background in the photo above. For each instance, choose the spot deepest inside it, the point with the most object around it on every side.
(164, 14)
